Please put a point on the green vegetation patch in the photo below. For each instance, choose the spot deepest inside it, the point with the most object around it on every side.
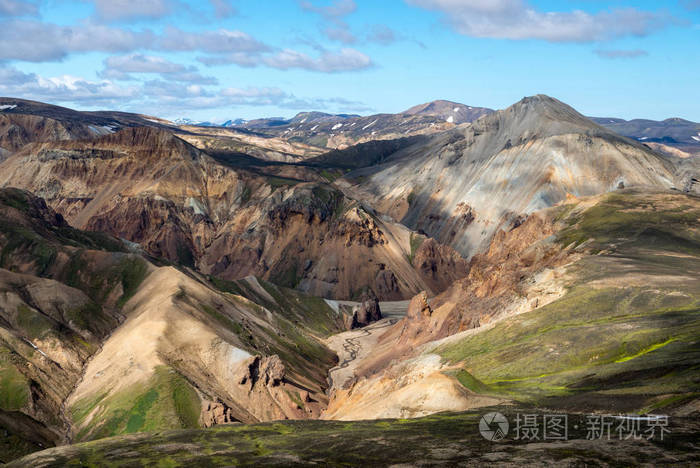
(613, 340)
(33, 323)
(416, 241)
(14, 387)
(445, 439)
(98, 282)
(633, 220)
(166, 401)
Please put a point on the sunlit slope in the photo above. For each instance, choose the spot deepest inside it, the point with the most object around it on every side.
(625, 335)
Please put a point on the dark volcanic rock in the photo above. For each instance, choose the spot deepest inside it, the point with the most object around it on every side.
(367, 311)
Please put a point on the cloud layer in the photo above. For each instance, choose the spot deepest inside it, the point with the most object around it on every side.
(518, 20)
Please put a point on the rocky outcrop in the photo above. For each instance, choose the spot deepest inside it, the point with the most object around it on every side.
(367, 311)
(215, 413)
(267, 371)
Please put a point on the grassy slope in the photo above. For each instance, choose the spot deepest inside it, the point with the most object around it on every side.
(629, 341)
(31, 241)
(444, 439)
(301, 318)
(167, 401)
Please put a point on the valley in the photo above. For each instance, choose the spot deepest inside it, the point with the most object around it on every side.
(314, 289)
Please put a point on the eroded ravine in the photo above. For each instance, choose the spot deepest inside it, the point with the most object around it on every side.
(355, 345)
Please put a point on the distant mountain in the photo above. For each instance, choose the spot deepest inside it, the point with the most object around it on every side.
(676, 133)
(196, 123)
(338, 131)
(449, 111)
(23, 121)
(462, 185)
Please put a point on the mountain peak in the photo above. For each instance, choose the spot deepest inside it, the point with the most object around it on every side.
(543, 115)
(452, 112)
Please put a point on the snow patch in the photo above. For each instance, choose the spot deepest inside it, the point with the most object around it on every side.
(236, 355)
(451, 119)
(696, 138)
(644, 138)
(197, 206)
(8, 106)
(315, 127)
(303, 121)
(456, 109)
(161, 121)
(336, 126)
(369, 124)
(35, 347)
(333, 305)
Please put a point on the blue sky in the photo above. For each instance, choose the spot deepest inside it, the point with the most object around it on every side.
(221, 59)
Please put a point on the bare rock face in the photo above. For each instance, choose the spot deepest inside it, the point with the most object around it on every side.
(367, 311)
(439, 265)
(419, 309)
(215, 412)
(267, 370)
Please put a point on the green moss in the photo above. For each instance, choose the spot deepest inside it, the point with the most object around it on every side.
(331, 175)
(470, 382)
(14, 388)
(646, 350)
(35, 324)
(142, 405)
(633, 220)
(15, 198)
(245, 194)
(277, 182)
(131, 272)
(554, 350)
(416, 240)
(412, 197)
(287, 277)
(22, 243)
(166, 401)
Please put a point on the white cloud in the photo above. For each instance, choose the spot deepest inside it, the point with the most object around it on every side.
(346, 59)
(120, 67)
(139, 63)
(34, 41)
(335, 27)
(65, 88)
(382, 34)
(116, 10)
(220, 41)
(329, 62)
(517, 19)
(17, 8)
(223, 8)
(620, 54)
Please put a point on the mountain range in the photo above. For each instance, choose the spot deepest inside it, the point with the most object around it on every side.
(248, 286)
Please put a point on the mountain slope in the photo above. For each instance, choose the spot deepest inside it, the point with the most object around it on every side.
(225, 218)
(461, 186)
(96, 340)
(444, 439)
(591, 306)
(23, 121)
